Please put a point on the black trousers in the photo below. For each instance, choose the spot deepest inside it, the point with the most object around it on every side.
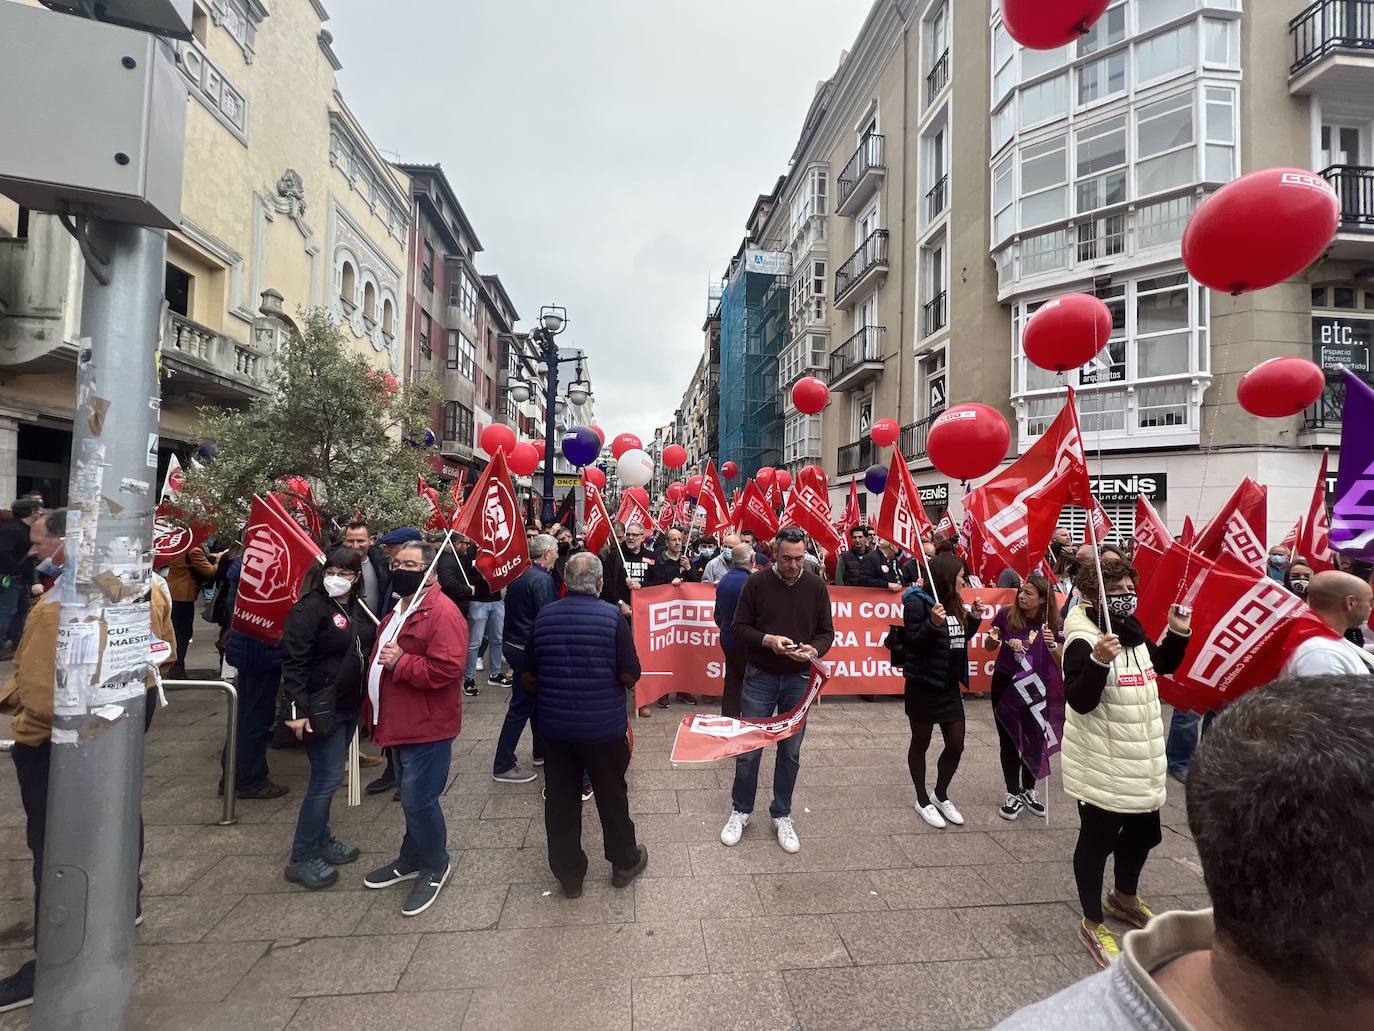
(734, 682)
(183, 627)
(1127, 836)
(1017, 776)
(605, 763)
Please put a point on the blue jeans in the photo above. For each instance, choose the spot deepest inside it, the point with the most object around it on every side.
(521, 710)
(424, 775)
(485, 619)
(328, 755)
(764, 695)
(12, 612)
(1184, 730)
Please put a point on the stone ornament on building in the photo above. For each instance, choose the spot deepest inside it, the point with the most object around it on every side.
(291, 188)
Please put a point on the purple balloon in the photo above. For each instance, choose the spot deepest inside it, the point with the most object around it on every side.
(581, 446)
(875, 479)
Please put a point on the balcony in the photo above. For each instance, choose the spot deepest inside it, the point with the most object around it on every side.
(938, 77)
(857, 360)
(862, 175)
(1325, 415)
(1333, 48)
(862, 271)
(913, 439)
(217, 369)
(936, 198)
(935, 314)
(1354, 185)
(856, 457)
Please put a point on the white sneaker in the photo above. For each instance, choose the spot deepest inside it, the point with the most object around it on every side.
(951, 812)
(734, 828)
(787, 834)
(931, 815)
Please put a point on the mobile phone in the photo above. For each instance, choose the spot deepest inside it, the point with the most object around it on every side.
(1183, 610)
(793, 647)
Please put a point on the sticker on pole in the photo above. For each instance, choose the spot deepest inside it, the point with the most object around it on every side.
(124, 663)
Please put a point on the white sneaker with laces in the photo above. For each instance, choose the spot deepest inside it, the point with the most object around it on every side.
(734, 828)
(951, 812)
(931, 815)
(787, 834)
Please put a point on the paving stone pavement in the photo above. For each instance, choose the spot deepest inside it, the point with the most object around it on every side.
(879, 921)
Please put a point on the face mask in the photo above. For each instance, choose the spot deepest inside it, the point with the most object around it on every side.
(406, 582)
(1277, 562)
(1298, 587)
(49, 568)
(708, 552)
(1121, 605)
(564, 547)
(337, 586)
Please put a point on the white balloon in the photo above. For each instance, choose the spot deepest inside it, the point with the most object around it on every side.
(635, 468)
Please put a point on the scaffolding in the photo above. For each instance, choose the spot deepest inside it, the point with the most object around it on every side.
(753, 328)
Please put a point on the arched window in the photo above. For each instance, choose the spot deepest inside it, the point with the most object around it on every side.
(348, 285)
(370, 301)
(388, 317)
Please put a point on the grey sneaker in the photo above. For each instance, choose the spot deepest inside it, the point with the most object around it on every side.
(336, 853)
(426, 890)
(515, 775)
(312, 873)
(392, 873)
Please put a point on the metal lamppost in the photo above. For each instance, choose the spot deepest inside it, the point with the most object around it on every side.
(553, 320)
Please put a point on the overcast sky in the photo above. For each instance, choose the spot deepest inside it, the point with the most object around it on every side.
(607, 153)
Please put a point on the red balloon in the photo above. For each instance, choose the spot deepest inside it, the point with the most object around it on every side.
(784, 479)
(1261, 229)
(674, 456)
(600, 433)
(640, 494)
(625, 442)
(968, 441)
(1067, 332)
(677, 490)
(814, 475)
(809, 395)
(497, 437)
(523, 459)
(729, 470)
(765, 476)
(694, 486)
(594, 476)
(1280, 387)
(885, 432)
(1049, 24)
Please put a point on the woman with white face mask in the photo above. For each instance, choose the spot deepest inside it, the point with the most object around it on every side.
(325, 643)
(1113, 750)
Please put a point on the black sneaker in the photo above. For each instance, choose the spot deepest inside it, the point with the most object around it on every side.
(392, 873)
(426, 890)
(16, 991)
(571, 890)
(470, 688)
(501, 680)
(1011, 808)
(663, 702)
(1033, 802)
(385, 782)
(263, 791)
(313, 874)
(623, 876)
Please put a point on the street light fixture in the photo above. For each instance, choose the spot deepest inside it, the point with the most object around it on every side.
(553, 320)
(579, 390)
(519, 390)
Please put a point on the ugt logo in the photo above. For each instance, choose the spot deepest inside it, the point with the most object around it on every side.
(266, 575)
(495, 523)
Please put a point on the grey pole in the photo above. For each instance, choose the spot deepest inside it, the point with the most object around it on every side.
(91, 855)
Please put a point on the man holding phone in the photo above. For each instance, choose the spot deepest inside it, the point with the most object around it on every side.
(783, 622)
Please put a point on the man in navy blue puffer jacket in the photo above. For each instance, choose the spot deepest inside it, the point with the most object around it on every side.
(579, 661)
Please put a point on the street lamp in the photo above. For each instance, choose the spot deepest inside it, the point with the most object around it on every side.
(553, 320)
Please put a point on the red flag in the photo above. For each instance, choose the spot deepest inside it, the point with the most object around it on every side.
(1239, 528)
(300, 499)
(171, 539)
(490, 518)
(707, 737)
(902, 519)
(276, 554)
(1291, 540)
(172, 484)
(1314, 542)
(774, 494)
(1150, 531)
(983, 563)
(851, 517)
(634, 510)
(808, 507)
(754, 513)
(596, 521)
(945, 528)
(1189, 534)
(713, 501)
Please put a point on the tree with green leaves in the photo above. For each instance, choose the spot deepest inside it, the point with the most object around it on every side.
(330, 418)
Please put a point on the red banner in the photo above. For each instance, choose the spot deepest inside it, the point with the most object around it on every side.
(276, 554)
(679, 643)
(703, 738)
(490, 518)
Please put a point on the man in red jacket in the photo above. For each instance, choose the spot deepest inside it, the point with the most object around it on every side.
(414, 705)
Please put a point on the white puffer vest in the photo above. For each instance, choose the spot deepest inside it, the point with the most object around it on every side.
(1113, 757)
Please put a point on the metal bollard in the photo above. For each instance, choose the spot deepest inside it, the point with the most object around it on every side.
(231, 737)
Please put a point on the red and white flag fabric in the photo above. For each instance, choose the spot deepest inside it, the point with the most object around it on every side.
(808, 507)
(276, 554)
(437, 519)
(170, 537)
(754, 513)
(633, 510)
(490, 518)
(713, 501)
(902, 519)
(945, 528)
(1290, 540)
(984, 564)
(1150, 531)
(1239, 528)
(773, 493)
(174, 480)
(703, 738)
(1314, 541)
(851, 516)
(1189, 534)
(297, 498)
(596, 521)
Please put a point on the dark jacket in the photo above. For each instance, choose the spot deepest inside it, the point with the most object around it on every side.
(14, 550)
(422, 698)
(324, 647)
(614, 587)
(249, 655)
(530, 592)
(665, 570)
(877, 570)
(847, 568)
(582, 658)
(934, 662)
(727, 600)
(452, 583)
(638, 566)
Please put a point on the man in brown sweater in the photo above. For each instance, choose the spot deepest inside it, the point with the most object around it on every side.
(783, 621)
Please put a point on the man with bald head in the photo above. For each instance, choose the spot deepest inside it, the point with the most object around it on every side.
(716, 569)
(1342, 601)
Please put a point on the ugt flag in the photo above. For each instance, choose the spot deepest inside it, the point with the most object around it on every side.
(490, 518)
(1032, 709)
(276, 554)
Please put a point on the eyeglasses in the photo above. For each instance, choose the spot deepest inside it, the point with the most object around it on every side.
(410, 567)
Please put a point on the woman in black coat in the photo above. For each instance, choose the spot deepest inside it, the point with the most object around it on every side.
(938, 627)
(324, 671)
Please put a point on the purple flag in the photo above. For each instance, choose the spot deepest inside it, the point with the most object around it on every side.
(1352, 514)
(1032, 709)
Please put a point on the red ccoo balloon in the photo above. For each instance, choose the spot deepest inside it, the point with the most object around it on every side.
(1280, 387)
(674, 456)
(694, 486)
(784, 479)
(523, 459)
(497, 437)
(677, 490)
(968, 441)
(765, 476)
(809, 395)
(1067, 332)
(729, 470)
(625, 442)
(885, 432)
(595, 477)
(1261, 229)
(1049, 24)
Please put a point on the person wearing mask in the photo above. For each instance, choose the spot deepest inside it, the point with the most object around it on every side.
(581, 659)
(938, 626)
(671, 567)
(1278, 562)
(1289, 940)
(451, 582)
(878, 568)
(392, 542)
(376, 566)
(1342, 602)
(324, 644)
(705, 554)
(1112, 758)
(15, 572)
(414, 705)
(783, 621)
(847, 565)
(1014, 629)
(564, 546)
(525, 599)
(716, 569)
(1297, 576)
(727, 601)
